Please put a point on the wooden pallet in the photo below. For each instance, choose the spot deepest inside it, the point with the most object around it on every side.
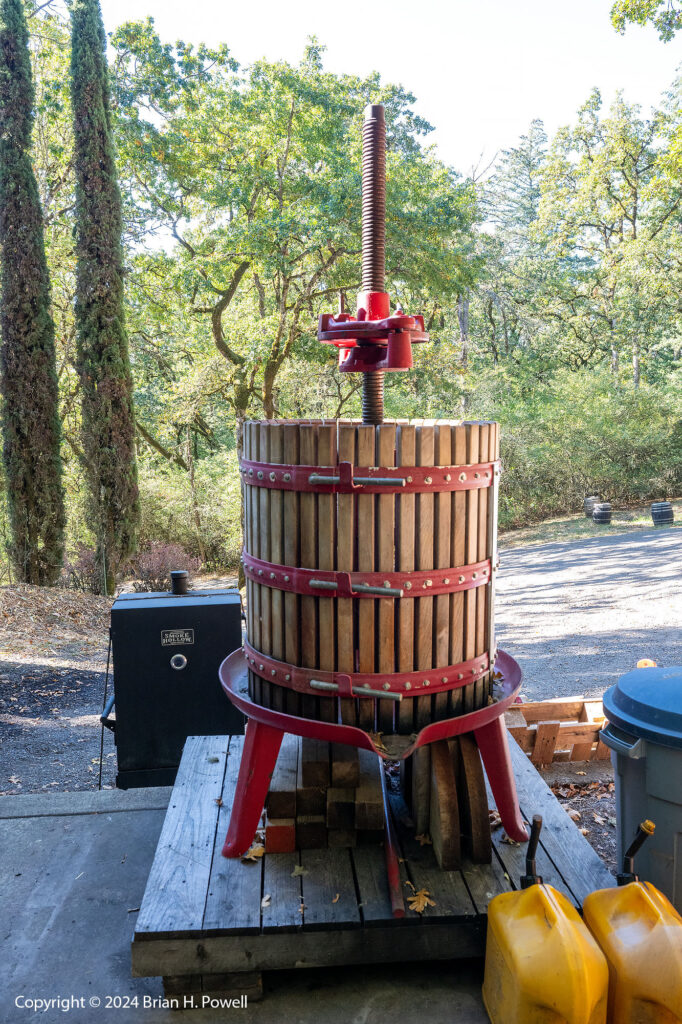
(205, 923)
(562, 729)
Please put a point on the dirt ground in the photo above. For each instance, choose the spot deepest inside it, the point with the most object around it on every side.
(576, 615)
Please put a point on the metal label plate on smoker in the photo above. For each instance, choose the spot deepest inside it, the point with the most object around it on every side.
(172, 637)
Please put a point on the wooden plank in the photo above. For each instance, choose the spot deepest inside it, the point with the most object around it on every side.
(385, 561)
(292, 618)
(473, 801)
(369, 801)
(234, 888)
(345, 766)
(370, 873)
(553, 708)
(484, 882)
(280, 835)
(265, 553)
(480, 686)
(314, 763)
(340, 807)
(281, 801)
(580, 865)
(424, 547)
(446, 939)
(345, 520)
(470, 596)
(545, 742)
(282, 911)
(341, 838)
(248, 544)
(278, 693)
(329, 890)
(421, 789)
(458, 549)
(406, 440)
(311, 831)
(174, 898)
(310, 706)
(255, 637)
(443, 560)
(365, 557)
(326, 540)
(444, 808)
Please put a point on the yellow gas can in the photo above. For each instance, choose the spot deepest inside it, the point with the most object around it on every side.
(640, 933)
(542, 965)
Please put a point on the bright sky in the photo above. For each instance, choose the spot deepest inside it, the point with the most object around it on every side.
(481, 69)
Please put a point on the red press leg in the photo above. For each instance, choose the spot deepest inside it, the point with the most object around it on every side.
(492, 743)
(259, 756)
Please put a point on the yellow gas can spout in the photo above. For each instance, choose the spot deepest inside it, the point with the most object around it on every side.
(628, 875)
(531, 876)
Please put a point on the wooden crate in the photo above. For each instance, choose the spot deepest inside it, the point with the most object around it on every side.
(561, 729)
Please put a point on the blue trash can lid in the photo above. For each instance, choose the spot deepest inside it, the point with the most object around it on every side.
(648, 702)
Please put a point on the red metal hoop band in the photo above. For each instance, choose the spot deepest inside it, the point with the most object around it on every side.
(328, 583)
(374, 685)
(345, 478)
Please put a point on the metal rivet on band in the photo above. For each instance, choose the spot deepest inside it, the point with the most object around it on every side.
(287, 677)
(446, 581)
(273, 673)
(272, 476)
(250, 472)
(462, 476)
(287, 477)
(461, 579)
(386, 583)
(260, 474)
(286, 579)
(272, 576)
(477, 476)
(387, 686)
(408, 685)
(444, 679)
(260, 668)
(460, 676)
(448, 477)
(409, 479)
(474, 575)
(408, 585)
(428, 480)
(427, 682)
(260, 572)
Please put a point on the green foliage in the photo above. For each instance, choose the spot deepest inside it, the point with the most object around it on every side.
(664, 15)
(103, 362)
(27, 360)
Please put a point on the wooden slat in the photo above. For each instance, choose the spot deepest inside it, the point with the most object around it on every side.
(385, 608)
(283, 912)
(470, 596)
(328, 875)
(326, 539)
(248, 542)
(307, 526)
(281, 801)
(545, 742)
(254, 448)
(345, 563)
(444, 808)
(473, 800)
(421, 789)
(345, 766)
(365, 549)
(458, 549)
(314, 762)
(291, 501)
(406, 454)
(264, 535)
(340, 807)
(234, 889)
(280, 835)
(424, 549)
(369, 801)
(443, 556)
(278, 693)
(370, 873)
(481, 685)
(174, 899)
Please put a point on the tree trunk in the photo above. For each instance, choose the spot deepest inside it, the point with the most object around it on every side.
(193, 499)
(635, 363)
(463, 318)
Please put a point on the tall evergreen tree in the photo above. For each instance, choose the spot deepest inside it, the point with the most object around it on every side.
(103, 362)
(29, 380)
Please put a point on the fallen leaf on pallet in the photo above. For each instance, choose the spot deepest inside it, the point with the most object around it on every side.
(585, 831)
(420, 900)
(298, 870)
(265, 902)
(581, 773)
(424, 840)
(254, 852)
(408, 882)
(495, 819)
(219, 801)
(337, 898)
(598, 818)
(507, 839)
(573, 814)
(302, 906)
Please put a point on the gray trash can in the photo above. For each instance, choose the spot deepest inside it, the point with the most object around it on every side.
(644, 732)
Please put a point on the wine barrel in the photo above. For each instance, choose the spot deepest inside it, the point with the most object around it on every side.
(662, 513)
(589, 504)
(447, 538)
(601, 512)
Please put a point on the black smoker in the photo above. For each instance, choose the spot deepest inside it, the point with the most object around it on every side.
(166, 649)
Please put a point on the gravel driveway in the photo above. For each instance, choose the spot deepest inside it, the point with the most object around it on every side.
(576, 616)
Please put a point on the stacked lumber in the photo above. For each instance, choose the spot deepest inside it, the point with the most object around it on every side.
(561, 729)
(322, 795)
(444, 788)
